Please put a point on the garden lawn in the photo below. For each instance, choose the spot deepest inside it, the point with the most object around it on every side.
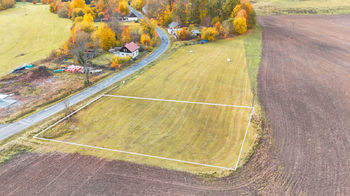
(25, 38)
(191, 132)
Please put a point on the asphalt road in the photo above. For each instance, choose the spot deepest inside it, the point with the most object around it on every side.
(8, 130)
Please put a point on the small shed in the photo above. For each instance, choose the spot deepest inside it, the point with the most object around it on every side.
(131, 49)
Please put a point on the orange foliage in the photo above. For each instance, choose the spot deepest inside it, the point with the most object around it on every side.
(219, 28)
(126, 35)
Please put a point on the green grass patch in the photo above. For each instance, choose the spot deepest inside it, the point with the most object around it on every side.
(268, 7)
(253, 49)
(29, 33)
(103, 60)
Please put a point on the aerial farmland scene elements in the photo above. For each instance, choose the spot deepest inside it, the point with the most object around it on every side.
(175, 97)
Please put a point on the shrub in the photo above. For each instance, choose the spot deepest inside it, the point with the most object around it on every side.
(77, 12)
(52, 7)
(240, 25)
(209, 34)
(184, 34)
(219, 28)
(228, 27)
(63, 12)
(117, 61)
(215, 20)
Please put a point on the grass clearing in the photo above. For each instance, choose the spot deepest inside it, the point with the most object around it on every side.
(268, 7)
(134, 27)
(190, 132)
(31, 37)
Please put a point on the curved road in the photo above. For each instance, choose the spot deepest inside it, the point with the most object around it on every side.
(13, 128)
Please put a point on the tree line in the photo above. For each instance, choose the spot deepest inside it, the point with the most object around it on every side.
(5, 4)
(87, 41)
(219, 17)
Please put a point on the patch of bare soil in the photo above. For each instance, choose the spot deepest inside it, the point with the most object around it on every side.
(36, 74)
(304, 88)
(37, 87)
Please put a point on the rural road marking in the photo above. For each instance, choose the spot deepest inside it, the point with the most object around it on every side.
(179, 101)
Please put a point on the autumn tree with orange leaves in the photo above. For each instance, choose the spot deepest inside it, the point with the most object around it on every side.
(126, 35)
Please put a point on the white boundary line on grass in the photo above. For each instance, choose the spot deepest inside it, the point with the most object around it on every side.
(245, 135)
(36, 136)
(134, 153)
(179, 101)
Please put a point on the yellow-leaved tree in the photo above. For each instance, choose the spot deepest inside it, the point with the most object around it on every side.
(219, 28)
(78, 4)
(146, 41)
(123, 7)
(240, 25)
(104, 36)
(164, 17)
(126, 35)
(137, 4)
(209, 34)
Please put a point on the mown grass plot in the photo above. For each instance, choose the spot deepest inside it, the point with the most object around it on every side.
(205, 134)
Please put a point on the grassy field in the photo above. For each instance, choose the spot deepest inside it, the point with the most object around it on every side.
(31, 37)
(267, 7)
(190, 132)
(133, 27)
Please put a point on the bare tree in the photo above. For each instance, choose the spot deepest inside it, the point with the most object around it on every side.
(80, 53)
(114, 24)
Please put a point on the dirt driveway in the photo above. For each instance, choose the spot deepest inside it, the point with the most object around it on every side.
(304, 87)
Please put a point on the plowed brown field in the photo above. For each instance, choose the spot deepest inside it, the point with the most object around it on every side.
(304, 88)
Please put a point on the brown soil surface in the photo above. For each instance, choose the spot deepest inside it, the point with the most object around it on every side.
(35, 74)
(304, 88)
(36, 87)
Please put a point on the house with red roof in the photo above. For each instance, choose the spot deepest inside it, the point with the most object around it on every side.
(131, 49)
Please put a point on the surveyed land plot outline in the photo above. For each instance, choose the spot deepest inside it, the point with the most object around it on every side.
(37, 136)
